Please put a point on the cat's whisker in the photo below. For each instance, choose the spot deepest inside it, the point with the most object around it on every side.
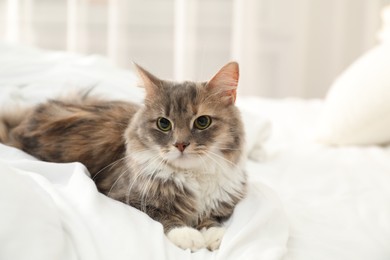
(147, 185)
(162, 164)
(146, 188)
(133, 179)
(136, 177)
(116, 181)
(221, 146)
(109, 165)
(208, 155)
(204, 164)
(116, 162)
(224, 159)
(139, 173)
(229, 148)
(224, 168)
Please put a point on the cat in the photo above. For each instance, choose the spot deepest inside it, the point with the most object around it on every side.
(178, 157)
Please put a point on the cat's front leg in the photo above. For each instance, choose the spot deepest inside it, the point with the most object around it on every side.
(213, 237)
(180, 233)
(190, 238)
(187, 238)
(213, 232)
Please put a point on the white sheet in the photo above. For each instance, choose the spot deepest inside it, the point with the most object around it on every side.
(53, 211)
(336, 199)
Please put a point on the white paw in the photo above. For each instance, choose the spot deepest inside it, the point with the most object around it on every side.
(213, 237)
(187, 237)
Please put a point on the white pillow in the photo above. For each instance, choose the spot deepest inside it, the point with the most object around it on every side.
(357, 107)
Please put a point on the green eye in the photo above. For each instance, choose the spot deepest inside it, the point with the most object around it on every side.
(202, 122)
(164, 124)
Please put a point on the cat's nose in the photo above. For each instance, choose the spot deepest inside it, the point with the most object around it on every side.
(181, 146)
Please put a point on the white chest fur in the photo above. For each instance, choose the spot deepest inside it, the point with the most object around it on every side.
(212, 181)
(218, 185)
(216, 181)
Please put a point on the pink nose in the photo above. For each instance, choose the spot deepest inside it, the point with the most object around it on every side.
(181, 146)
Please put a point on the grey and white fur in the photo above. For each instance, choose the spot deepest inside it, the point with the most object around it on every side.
(178, 157)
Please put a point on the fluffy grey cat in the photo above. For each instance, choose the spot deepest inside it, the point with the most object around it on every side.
(178, 157)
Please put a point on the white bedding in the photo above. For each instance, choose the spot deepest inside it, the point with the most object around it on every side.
(306, 201)
(337, 199)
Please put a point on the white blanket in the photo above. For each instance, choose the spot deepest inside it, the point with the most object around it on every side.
(337, 199)
(54, 211)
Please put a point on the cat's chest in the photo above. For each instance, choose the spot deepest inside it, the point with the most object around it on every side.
(213, 187)
(220, 183)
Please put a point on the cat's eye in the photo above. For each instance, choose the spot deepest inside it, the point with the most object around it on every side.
(164, 124)
(202, 122)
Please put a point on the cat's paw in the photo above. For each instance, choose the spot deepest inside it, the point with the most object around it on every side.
(213, 237)
(187, 238)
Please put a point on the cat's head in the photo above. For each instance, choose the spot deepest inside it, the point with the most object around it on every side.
(188, 124)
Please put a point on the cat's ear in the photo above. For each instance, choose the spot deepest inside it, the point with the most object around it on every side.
(225, 82)
(150, 82)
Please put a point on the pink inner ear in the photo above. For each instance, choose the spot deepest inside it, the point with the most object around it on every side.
(149, 81)
(226, 81)
(233, 95)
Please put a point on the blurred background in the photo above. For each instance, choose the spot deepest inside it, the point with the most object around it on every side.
(284, 47)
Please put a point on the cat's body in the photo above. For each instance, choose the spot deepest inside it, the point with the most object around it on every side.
(177, 158)
(90, 131)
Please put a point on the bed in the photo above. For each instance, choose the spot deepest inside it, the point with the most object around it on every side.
(311, 195)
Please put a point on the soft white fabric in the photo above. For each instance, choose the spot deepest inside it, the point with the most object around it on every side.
(257, 131)
(30, 75)
(54, 211)
(357, 108)
(337, 199)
